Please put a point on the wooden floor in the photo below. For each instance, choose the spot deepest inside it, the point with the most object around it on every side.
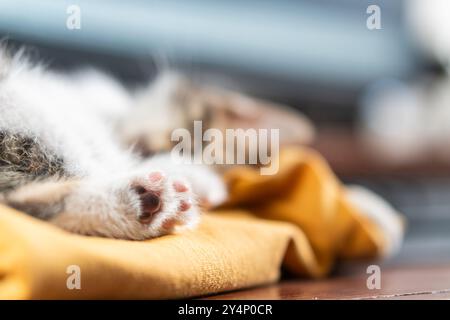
(418, 282)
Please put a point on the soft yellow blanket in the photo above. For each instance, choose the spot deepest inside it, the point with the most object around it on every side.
(299, 218)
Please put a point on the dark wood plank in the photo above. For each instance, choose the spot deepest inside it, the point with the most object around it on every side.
(424, 282)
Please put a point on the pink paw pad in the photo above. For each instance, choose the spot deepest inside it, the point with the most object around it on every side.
(180, 187)
(155, 176)
(150, 198)
(185, 205)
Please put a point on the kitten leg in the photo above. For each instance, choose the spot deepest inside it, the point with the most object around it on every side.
(43, 200)
(138, 206)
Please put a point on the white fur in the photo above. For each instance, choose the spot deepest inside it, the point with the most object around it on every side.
(382, 214)
(76, 117)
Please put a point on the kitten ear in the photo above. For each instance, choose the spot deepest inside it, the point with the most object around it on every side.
(232, 110)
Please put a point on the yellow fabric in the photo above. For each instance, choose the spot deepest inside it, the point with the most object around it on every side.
(298, 218)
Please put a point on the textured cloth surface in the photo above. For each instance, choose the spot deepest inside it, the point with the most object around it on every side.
(299, 218)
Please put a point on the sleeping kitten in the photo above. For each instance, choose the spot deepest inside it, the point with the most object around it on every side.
(61, 159)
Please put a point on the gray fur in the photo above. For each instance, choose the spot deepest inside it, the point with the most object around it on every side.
(23, 159)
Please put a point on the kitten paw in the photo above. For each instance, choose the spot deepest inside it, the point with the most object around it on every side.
(166, 203)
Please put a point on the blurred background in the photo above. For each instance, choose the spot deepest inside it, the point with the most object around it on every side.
(376, 90)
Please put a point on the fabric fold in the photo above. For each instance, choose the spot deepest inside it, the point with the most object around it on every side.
(299, 218)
